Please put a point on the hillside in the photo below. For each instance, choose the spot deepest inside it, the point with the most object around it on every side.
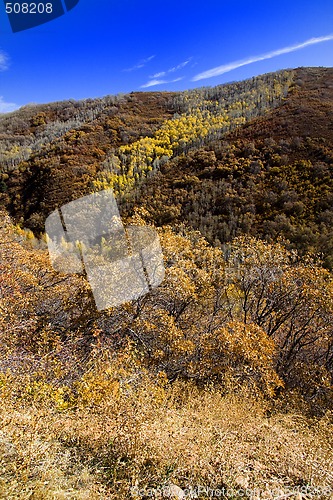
(50, 153)
(271, 177)
(222, 376)
(306, 113)
(55, 153)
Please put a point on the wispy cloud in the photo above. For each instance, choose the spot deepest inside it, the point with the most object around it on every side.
(154, 82)
(7, 107)
(3, 61)
(140, 64)
(220, 70)
(172, 70)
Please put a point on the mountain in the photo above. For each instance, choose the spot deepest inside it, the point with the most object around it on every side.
(271, 177)
(252, 157)
(222, 376)
(50, 153)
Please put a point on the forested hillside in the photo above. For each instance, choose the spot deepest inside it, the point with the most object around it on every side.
(51, 153)
(55, 153)
(270, 178)
(222, 375)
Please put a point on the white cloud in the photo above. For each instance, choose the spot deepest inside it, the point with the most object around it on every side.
(172, 70)
(220, 70)
(7, 107)
(140, 64)
(152, 83)
(3, 61)
(158, 75)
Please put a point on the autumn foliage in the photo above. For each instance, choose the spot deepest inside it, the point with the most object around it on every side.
(224, 333)
(222, 375)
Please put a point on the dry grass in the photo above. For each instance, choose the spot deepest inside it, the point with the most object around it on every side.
(35, 464)
(103, 426)
(147, 439)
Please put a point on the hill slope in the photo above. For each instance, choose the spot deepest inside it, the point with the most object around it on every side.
(223, 375)
(50, 153)
(271, 177)
(54, 153)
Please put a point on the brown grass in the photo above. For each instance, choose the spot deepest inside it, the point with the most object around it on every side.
(147, 437)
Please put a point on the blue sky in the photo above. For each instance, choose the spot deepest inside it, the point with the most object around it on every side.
(108, 46)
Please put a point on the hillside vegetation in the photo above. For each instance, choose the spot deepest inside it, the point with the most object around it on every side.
(220, 379)
(270, 178)
(50, 154)
(55, 153)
